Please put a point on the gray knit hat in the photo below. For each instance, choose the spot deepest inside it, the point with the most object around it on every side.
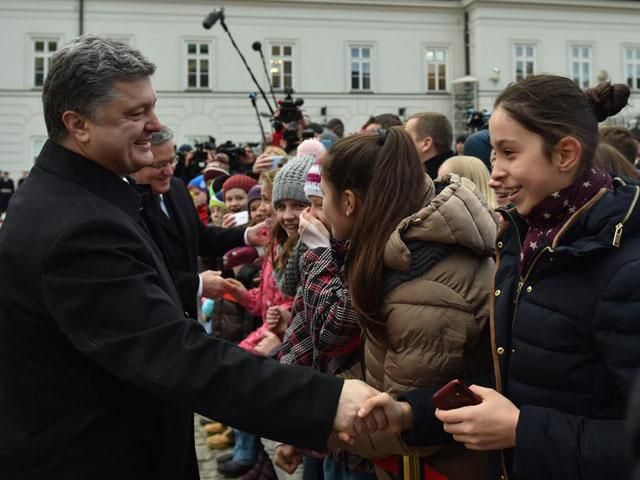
(289, 181)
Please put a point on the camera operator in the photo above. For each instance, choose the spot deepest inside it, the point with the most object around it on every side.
(192, 161)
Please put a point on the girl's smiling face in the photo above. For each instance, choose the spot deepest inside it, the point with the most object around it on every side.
(288, 214)
(522, 173)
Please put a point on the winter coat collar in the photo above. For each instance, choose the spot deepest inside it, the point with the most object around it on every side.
(456, 216)
(601, 224)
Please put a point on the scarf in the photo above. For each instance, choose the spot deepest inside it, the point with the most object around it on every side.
(547, 218)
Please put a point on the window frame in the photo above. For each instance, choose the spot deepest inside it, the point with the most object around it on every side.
(293, 58)
(198, 57)
(447, 68)
(581, 61)
(635, 62)
(350, 61)
(45, 55)
(515, 58)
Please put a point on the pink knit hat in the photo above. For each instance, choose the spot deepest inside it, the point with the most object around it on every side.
(311, 147)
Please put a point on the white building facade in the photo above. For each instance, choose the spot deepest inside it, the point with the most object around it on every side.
(347, 59)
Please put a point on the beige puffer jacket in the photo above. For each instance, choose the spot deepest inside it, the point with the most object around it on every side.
(438, 322)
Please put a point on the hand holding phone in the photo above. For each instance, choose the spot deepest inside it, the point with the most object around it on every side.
(455, 394)
(242, 218)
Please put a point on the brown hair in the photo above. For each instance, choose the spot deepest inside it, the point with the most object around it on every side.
(384, 172)
(434, 125)
(621, 139)
(554, 107)
(278, 235)
(609, 159)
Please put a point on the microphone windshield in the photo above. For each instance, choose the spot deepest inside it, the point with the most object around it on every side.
(211, 19)
(257, 46)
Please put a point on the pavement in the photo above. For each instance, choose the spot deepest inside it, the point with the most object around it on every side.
(207, 457)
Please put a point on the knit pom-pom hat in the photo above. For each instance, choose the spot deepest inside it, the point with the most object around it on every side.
(288, 183)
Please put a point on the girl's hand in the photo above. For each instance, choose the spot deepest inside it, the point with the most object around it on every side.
(228, 220)
(490, 425)
(278, 319)
(268, 344)
(237, 289)
(288, 458)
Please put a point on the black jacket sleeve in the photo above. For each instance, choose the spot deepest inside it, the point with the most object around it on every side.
(216, 241)
(122, 318)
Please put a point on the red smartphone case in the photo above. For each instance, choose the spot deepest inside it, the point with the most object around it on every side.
(454, 394)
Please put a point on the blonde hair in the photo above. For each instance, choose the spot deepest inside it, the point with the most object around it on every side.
(275, 151)
(475, 170)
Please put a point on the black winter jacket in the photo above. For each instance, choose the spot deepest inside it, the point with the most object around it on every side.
(567, 340)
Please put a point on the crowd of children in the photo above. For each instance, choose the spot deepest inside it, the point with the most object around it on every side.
(373, 270)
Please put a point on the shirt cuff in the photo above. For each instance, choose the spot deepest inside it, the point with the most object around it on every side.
(199, 286)
(246, 237)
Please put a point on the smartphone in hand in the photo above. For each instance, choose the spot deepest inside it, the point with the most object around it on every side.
(242, 218)
(454, 394)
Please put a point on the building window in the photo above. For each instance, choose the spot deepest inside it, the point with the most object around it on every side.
(282, 66)
(42, 51)
(581, 65)
(632, 67)
(436, 61)
(198, 65)
(360, 68)
(525, 61)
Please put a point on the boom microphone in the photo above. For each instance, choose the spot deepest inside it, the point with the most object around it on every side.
(211, 19)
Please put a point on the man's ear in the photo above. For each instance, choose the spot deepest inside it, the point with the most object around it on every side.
(349, 202)
(77, 126)
(426, 144)
(567, 154)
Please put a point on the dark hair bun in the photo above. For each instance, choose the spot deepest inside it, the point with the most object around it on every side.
(607, 99)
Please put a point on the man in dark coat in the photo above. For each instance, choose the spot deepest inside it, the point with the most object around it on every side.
(6, 190)
(172, 219)
(432, 134)
(100, 368)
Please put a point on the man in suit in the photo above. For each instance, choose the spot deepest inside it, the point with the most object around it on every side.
(173, 222)
(101, 370)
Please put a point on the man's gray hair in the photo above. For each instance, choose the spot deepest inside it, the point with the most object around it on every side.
(81, 78)
(162, 136)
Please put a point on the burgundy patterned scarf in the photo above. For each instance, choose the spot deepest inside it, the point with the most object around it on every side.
(548, 217)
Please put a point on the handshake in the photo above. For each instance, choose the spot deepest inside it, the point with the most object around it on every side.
(362, 410)
(214, 285)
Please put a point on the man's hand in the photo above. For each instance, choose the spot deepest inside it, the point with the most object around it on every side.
(490, 425)
(346, 422)
(288, 458)
(213, 285)
(258, 235)
(383, 413)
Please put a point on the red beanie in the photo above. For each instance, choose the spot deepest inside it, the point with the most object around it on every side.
(238, 181)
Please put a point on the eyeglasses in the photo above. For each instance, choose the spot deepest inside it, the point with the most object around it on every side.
(160, 164)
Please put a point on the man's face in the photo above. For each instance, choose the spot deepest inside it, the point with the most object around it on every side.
(159, 175)
(118, 139)
(423, 145)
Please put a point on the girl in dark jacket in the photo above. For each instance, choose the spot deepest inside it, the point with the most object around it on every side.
(566, 323)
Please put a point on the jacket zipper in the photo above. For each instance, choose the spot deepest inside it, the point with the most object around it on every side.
(617, 235)
(523, 281)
